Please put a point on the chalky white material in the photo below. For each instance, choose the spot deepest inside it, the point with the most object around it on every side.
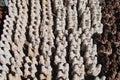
(46, 37)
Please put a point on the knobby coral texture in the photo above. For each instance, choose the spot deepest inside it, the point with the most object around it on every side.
(60, 40)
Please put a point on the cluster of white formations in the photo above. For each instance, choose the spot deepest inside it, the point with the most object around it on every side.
(50, 40)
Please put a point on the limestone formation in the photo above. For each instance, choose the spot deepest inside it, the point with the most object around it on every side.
(50, 40)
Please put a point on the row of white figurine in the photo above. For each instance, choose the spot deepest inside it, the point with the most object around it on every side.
(60, 61)
(46, 70)
(9, 23)
(87, 45)
(72, 17)
(60, 19)
(72, 14)
(75, 43)
(91, 59)
(46, 73)
(91, 64)
(61, 52)
(90, 55)
(75, 58)
(61, 44)
(82, 6)
(32, 72)
(85, 23)
(15, 67)
(19, 24)
(95, 9)
(77, 66)
(96, 16)
(18, 71)
(84, 26)
(47, 14)
(35, 21)
(78, 72)
(87, 16)
(58, 4)
(6, 41)
(63, 71)
(34, 28)
(33, 40)
(89, 37)
(22, 10)
(46, 32)
(61, 57)
(12, 9)
(46, 49)
(86, 20)
(18, 77)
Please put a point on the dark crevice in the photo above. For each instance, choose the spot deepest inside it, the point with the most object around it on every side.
(110, 62)
(54, 69)
(3, 13)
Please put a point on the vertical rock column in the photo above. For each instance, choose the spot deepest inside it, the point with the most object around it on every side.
(19, 39)
(96, 16)
(75, 58)
(89, 50)
(34, 27)
(47, 37)
(60, 42)
(6, 39)
(20, 28)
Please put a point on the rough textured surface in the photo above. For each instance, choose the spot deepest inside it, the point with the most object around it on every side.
(109, 41)
(60, 40)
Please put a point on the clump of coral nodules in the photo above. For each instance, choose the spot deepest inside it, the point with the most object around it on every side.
(53, 40)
